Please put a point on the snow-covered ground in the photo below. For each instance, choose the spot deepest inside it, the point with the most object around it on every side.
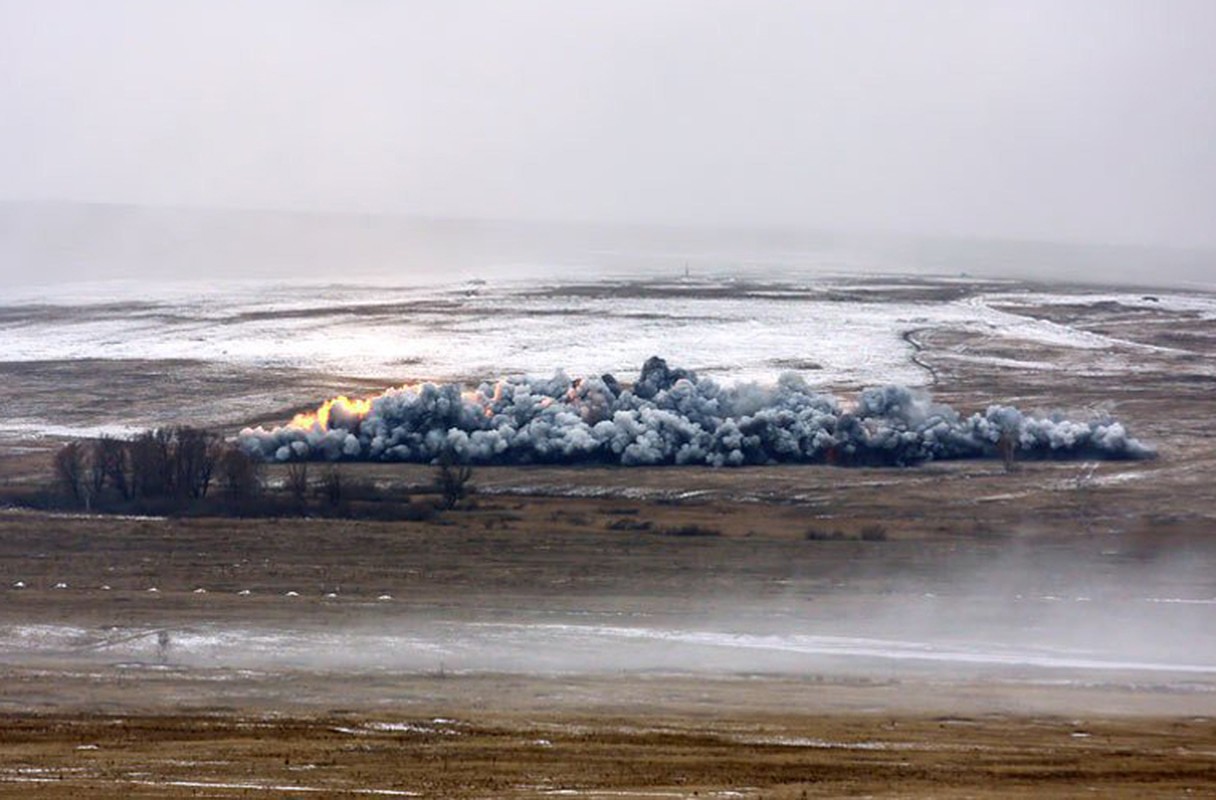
(474, 332)
(589, 648)
(838, 332)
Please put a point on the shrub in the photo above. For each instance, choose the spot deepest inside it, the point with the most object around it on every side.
(418, 512)
(629, 525)
(874, 533)
(691, 530)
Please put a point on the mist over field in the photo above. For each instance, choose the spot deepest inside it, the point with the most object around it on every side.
(43, 243)
(452, 398)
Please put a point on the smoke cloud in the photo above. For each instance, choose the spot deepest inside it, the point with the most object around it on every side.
(671, 416)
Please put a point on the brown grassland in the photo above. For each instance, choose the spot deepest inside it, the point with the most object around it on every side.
(672, 546)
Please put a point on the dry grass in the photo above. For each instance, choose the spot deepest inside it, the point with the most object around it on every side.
(548, 541)
(181, 756)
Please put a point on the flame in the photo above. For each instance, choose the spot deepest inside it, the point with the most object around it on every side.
(488, 407)
(354, 408)
(359, 408)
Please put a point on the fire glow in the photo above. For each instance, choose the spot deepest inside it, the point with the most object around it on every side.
(344, 412)
(353, 409)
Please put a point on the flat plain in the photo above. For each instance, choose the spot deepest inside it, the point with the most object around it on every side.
(950, 630)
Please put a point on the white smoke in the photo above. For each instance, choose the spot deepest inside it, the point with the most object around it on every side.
(670, 416)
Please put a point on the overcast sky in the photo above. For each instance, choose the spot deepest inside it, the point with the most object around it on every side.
(1084, 121)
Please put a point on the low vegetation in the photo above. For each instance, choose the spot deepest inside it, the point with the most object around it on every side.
(187, 471)
(691, 530)
(869, 533)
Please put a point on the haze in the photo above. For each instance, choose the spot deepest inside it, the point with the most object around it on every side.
(1078, 122)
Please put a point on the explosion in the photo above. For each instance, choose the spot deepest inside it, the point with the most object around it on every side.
(346, 413)
(672, 416)
(347, 410)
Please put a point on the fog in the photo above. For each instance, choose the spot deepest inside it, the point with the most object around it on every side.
(1032, 613)
(138, 136)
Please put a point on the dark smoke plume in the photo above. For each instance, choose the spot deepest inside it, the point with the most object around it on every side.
(670, 416)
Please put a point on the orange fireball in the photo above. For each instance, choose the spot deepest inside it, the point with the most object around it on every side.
(308, 420)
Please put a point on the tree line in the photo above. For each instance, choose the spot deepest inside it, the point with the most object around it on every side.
(184, 469)
(180, 463)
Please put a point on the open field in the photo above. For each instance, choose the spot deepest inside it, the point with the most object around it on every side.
(786, 756)
(951, 630)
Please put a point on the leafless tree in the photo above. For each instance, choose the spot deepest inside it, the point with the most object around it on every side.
(174, 462)
(69, 470)
(192, 455)
(239, 473)
(331, 485)
(452, 476)
(110, 462)
(297, 483)
(151, 464)
(97, 468)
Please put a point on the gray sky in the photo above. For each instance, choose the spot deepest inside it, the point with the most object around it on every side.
(1086, 121)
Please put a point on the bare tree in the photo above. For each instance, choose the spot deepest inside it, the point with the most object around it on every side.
(97, 468)
(239, 473)
(331, 485)
(111, 459)
(211, 458)
(69, 470)
(152, 474)
(174, 463)
(452, 476)
(297, 483)
(192, 455)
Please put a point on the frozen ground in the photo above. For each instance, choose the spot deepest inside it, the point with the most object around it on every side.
(1042, 631)
(84, 359)
(575, 646)
(836, 332)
